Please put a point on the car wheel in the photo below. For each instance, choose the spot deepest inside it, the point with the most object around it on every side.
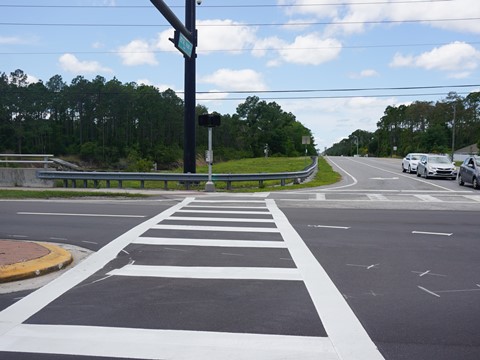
(403, 169)
(475, 183)
(418, 173)
(460, 180)
(425, 174)
(409, 169)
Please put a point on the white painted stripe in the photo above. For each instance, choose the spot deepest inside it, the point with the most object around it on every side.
(220, 219)
(205, 272)
(342, 326)
(431, 233)
(163, 344)
(473, 197)
(227, 201)
(377, 197)
(320, 196)
(428, 198)
(227, 207)
(261, 194)
(219, 211)
(71, 214)
(428, 291)
(31, 304)
(215, 228)
(210, 242)
(330, 227)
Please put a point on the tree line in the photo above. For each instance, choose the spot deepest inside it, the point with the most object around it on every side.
(427, 127)
(131, 126)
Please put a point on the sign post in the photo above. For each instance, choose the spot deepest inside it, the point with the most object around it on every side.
(210, 121)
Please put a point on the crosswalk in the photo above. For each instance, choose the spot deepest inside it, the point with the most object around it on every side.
(206, 279)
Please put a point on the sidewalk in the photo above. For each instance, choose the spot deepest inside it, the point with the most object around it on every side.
(26, 259)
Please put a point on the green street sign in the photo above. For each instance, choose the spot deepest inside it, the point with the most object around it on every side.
(183, 44)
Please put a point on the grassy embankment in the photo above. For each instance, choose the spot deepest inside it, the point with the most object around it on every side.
(325, 176)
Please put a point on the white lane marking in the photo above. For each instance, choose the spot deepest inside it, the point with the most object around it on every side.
(355, 181)
(114, 342)
(431, 233)
(205, 272)
(329, 227)
(31, 304)
(368, 267)
(85, 215)
(428, 272)
(215, 228)
(220, 211)
(428, 291)
(221, 208)
(320, 196)
(18, 236)
(472, 197)
(380, 178)
(455, 291)
(210, 242)
(377, 197)
(227, 201)
(428, 198)
(89, 242)
(221, 219)
(231, 254)
(342, 326)
(58, 239)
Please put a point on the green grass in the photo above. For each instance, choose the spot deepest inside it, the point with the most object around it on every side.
(324, 176)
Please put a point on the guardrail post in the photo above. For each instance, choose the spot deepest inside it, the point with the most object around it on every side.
(165, 184)
(260, 183)
(282, 182)
(108, 184)
(65, 183)
(229, 185)
(95, 184)
(120, 183)
(85, 184)
(74, 184)
(142, 184)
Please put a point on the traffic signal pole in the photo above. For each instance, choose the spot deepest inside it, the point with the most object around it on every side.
(188, 48)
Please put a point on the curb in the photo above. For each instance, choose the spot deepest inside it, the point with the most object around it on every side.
(56, 259)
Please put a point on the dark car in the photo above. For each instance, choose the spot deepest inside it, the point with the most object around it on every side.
(469, 172)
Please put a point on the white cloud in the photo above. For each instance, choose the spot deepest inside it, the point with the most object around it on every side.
(11, 40)
(228, 79)
(226, 35)
(310, 49)
(359, 14)
(70, 63)
(364, 74)
(137, 52)
(458, 58)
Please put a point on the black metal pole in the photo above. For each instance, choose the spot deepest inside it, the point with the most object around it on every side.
(189, 153)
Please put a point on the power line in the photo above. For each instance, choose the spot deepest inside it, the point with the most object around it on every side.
(114, 52)
(222, 6)
(244, 25)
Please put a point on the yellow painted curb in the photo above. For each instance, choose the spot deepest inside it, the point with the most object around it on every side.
(57, 259)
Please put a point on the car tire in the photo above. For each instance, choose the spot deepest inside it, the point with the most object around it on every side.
(418, 173)
(425, 174)
(403, 169)
(409, 169)
(475, 183)
(460, 180)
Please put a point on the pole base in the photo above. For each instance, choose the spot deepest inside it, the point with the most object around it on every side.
(209, 186)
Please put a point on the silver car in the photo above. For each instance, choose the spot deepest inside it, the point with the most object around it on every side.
(438, 166)
(410, 162)
(469, 172)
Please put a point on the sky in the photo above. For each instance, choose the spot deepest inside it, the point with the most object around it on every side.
(334, 64)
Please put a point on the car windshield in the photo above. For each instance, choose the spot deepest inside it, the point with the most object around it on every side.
(415, 157)
(439, 160)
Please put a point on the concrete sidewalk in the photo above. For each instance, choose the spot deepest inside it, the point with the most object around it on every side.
(27, 259)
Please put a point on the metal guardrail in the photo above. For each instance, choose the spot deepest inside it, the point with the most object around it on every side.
(186, 179)
(20, 159)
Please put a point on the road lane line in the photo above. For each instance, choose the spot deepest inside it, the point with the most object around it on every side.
(428, 291)
(377, 197)
(205, 272)
(427, 198)
(210, 242)
(220, 211)
(86, 215)
(217, 219)
(215, 228)
(355, 181)
(330, 227)
(31, 304)
(116, 342)
(431, 233)
(342, 326)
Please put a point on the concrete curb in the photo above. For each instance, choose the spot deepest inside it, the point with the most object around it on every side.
(56, 259)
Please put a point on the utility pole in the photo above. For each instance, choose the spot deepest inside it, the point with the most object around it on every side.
(185, 40)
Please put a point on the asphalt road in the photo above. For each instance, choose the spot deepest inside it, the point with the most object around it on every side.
(380, 260)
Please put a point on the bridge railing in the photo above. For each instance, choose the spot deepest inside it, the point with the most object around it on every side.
(25, 159)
